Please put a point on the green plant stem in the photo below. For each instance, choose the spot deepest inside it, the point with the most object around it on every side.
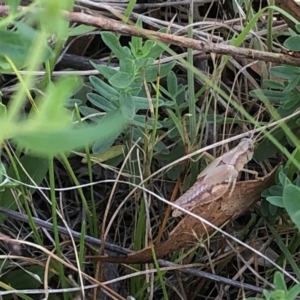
(270, 27)
(284, 250)
(80, 191)
(82, 245)
(127, 13)
(191, 86)
(33, 63)
(191, 95)
(9, 288)
(160, 275)
(25, 201)
(94, 222)
(155, 121)
(55, 224)
(57, 50)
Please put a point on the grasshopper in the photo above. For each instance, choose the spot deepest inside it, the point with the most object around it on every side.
(214, 181)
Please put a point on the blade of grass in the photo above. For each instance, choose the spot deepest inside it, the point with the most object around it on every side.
(61, 274)
(284, 250)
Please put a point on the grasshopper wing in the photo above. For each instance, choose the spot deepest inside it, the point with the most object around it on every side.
(214, 164)
(221, 174)
(199, 194)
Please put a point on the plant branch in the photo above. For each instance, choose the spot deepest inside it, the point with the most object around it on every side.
(208, 47)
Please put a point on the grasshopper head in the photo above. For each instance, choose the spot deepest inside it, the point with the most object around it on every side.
(248, 146)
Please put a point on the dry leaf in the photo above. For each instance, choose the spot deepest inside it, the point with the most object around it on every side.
(189, 229)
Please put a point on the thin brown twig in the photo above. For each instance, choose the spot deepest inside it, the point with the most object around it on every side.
(109, 24)
(113, 25)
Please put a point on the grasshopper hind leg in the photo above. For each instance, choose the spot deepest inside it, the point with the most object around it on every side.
(233, 183)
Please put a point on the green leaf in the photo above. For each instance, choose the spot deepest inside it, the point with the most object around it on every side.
(135, 44)
(166, 92)
(70, 103)
(81, 29)
(86, 111)
(101, 146)
(143, 103)
(273, 209)
(144, 122)
(110, 153)
(104, 70)
(100, 102)
(292, 43)
(30, 166)
(51, 143)
(283, 178)
(17, 45)
(284, 71)
(51, 113)
(143, 62)
(266, 193)
(13, 5)
(266, 148)
(121, 80)
(276, 190)
(267, 294)
(278, 295)
(147, 47)
(177, 152)
(279, 281)
(272, 96)
(297, 182)
(156, 51)
(160, 147)
(276, 200)
(172, 83)
(293, 292)
(264, 208)
(128, 66)
(291, 201)
(102, 88)
(293, 83)
(289, 103)
(28, 277)
(127, 105)
(113, 43)
(4, 65)
(50, 15)
(3, 111)
(152, 72)
(272, 84)
(177, 123)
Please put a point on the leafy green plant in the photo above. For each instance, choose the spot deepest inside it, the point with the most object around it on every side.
(47, 128)
(130, 96)
(124, 88)
(17, 45)
(281, 292)
(285, 194)
(285, 96)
